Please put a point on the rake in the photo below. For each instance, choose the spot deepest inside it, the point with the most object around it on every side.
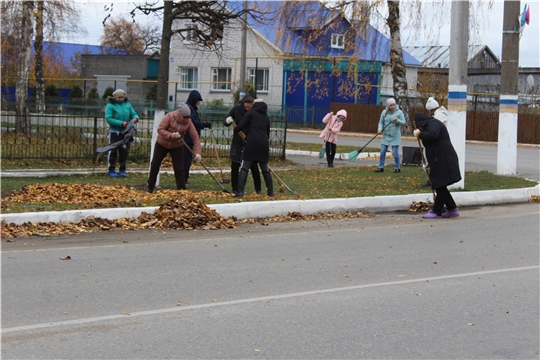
(243, 136)
(223, 180)
(354, 155)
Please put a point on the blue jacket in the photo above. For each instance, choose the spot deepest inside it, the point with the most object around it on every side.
(118, 112)
(392, 134)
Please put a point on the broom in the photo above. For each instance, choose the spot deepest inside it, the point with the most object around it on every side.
(353, 155)
(424, 162)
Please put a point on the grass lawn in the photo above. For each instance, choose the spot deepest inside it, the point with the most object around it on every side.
(339, 182)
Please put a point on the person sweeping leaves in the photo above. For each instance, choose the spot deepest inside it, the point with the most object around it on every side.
(334, 123)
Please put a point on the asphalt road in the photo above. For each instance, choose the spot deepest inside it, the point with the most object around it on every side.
(478, 156)
(388, 286)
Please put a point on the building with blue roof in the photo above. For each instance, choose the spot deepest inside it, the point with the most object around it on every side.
(311, 58)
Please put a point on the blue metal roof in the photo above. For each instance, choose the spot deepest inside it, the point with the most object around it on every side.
(371, 45)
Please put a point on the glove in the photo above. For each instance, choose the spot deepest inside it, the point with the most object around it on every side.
(198, 158)
(425, 166)
(175, 135)
(135, 120)
(416, 133)
(229, 120)
(124, 124)
(208, 125)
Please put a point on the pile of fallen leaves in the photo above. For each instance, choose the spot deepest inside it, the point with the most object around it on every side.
(97, 196)
(418, 206)
(185, 212)
(534, 198)
(296, 216)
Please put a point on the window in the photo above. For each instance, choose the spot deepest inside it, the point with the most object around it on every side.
(261, 80)
(337, 41)
(191, 34)
(221, 79)
(187, 78)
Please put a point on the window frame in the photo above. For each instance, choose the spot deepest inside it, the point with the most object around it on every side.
(335, 42)
(217, 84)
(186, 84)
(265, 83)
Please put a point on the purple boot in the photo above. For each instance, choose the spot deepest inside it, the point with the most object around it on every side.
(451, 213)
(431, 215)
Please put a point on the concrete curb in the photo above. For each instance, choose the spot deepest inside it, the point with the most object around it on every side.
(283, 207)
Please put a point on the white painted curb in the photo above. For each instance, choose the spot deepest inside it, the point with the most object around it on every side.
(283, 207)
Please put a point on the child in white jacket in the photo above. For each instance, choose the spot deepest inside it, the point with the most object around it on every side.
(329, 134)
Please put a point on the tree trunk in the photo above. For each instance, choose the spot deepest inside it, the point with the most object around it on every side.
(163, 75)
(23, 68)
(399, 72)
(163, 72)
(39, 90)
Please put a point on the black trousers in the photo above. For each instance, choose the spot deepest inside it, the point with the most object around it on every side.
(330, 152)
(235, 171)
(160, 152)
(121, 150)
(188, 158)
(443, 198)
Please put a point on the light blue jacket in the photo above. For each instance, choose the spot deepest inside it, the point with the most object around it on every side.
(392, 134)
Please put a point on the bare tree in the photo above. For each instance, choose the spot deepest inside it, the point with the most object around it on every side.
(209, 16)
(25, 55)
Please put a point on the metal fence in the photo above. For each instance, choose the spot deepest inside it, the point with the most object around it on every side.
(76, 137)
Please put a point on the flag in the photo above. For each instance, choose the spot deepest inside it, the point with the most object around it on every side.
(523, 16)
(528, 15)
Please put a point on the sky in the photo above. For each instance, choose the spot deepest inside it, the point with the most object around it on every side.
(488, 27)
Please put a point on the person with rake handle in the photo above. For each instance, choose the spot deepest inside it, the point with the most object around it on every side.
(171, 131)
(237, 144)
(256, 127)
(391, 121)
(334, 123)
(443, 164)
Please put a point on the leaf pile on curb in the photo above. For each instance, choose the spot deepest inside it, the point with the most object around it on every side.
(418, 206)
(187, 212)
(296, 216)
(534, 198)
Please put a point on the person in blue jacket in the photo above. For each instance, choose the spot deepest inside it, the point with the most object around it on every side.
(392, 134)
(118, 113)
(193, 101)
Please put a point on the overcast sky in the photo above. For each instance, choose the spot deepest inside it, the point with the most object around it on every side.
(489, 28)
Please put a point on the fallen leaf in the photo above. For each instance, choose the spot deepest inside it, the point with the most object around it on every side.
(67, 257)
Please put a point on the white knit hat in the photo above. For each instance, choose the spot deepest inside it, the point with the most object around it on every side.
(390, 101)
(118, 93)
(431, 104)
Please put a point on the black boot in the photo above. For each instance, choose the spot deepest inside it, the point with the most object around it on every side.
(269, 185)
(242, 178)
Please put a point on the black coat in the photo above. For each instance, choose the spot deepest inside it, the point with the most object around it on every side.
(256, 126)
(237, 144)
(193, 98)
(441, 156)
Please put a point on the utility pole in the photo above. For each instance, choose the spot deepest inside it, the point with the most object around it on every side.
(243, 52)
(508, 103)
(457, 82)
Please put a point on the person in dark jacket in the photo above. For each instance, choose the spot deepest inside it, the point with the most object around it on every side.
(118, 113)
(193, 101)
(237, 145)
(443, 163)
(256, 127)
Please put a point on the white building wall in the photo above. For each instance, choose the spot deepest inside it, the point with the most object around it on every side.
(387, 82)
(184, 54)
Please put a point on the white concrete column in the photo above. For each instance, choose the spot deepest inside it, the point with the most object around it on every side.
(507, 147)
(457, 126)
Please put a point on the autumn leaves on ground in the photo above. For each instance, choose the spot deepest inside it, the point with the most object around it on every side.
(187, 210)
